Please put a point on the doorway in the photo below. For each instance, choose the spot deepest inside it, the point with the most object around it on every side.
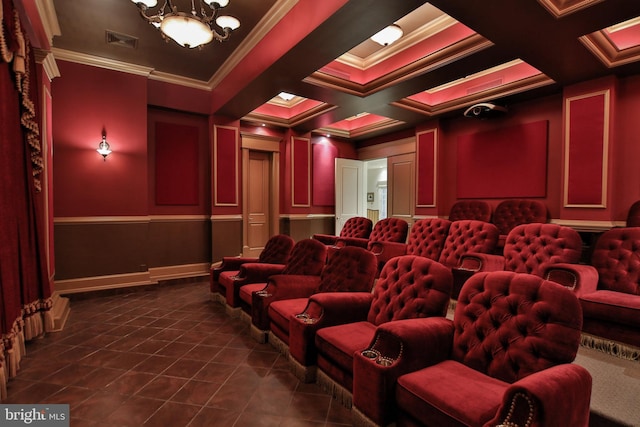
(376, 173)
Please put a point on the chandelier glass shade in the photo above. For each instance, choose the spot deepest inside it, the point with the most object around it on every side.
(189, 29)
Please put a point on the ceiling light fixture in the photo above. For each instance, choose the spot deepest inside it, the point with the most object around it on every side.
(189, 29)
(387, 35)
(286, 96)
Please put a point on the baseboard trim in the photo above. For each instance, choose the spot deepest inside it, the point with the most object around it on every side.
(129, 280)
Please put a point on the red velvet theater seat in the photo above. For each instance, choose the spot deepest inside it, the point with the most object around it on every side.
(351, 269)
(387, 229)
(357, 227)
(609, 291)
(276, 251)
(408, 287)
(302, 272)
(529, 248)
(513, 212)
(470, 209)
(505, 359)
(426, 239)
(466, 236)
(633, 215)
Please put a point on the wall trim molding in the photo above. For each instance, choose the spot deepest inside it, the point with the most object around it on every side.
(128, 280)
(234, 217)
(297, 217)
(588, 225)
(129, 219)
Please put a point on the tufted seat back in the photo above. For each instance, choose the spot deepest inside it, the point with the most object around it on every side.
(276, 250)
(308, 257)
(470, 209)
(468, 236)
(616, 257)
(427, 237)
(410, 286)
(512, 212)
(351, 269)
(509, 325)
(390, 230)
(531, 248)
(633, 216)
(357, 226)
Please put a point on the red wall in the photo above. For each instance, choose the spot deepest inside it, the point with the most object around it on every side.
(86, 101)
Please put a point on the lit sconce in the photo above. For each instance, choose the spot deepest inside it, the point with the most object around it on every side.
(103, 148)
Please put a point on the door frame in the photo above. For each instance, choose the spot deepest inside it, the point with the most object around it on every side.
(271, 145)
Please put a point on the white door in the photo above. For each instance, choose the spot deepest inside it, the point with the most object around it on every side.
(350, 190)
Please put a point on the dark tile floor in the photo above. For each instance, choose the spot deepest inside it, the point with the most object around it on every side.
(166, 356)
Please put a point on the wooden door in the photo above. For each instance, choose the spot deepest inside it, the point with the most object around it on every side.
(259, 202)
(350, 191)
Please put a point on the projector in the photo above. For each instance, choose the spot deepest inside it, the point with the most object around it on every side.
(485, 110)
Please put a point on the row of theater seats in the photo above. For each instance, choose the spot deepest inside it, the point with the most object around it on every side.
(393, 354)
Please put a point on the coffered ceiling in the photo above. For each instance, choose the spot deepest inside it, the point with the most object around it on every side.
(453, 53)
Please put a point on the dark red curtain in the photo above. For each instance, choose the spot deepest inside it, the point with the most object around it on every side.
(24, 282)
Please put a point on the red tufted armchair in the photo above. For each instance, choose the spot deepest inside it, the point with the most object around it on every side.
(276, 251)
(343, 323)
(470, 209)
(426, 239)
(351, 269)
(387, 229)
(302, 272)
(467, 236)
(529, 248)
(608, 289)
(633, 215)
(505, 359)
(357, 227)
(513, 212)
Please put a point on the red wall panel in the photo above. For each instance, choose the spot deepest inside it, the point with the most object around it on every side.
(176, 164)
(88, 100)
(226, 165)
(502, 163)
(324, 177)
(300, 163)
(426, 145)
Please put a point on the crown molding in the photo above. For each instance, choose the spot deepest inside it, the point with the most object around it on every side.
(48, 62)
(49, 18)
(278, 11)
(96, 61)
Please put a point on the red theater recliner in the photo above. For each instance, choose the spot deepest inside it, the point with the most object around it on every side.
(505, 359)
(609, 291)
(467, 236)
(357, 227)
(351, 269)
(276, 251)
(470, 209)
(529, 248)
(633, 215)
(409, 287)
(512, 212)
(387, 229)
(426, 239)
(302, 272)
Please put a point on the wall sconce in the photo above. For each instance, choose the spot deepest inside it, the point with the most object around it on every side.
(103, 147)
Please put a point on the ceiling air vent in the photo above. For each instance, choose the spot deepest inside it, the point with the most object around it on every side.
(123, 40)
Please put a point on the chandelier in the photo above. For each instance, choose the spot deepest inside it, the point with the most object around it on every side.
(191, 29)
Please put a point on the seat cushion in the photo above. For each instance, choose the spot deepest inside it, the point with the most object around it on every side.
(450, 393)
(337, 344)
(612, 306)
(247, 290)
(280, 313)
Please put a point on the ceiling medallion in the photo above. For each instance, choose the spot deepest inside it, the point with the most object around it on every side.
(190, 29)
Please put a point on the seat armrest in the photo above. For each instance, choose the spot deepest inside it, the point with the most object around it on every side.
(398, 347)
(477, 261)
(387, 250)
(234, 263)
(258, 272)
(327, 239)
(352, 241)
(280, 287)
(322, 310)
(557, 396)
(581, 279)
